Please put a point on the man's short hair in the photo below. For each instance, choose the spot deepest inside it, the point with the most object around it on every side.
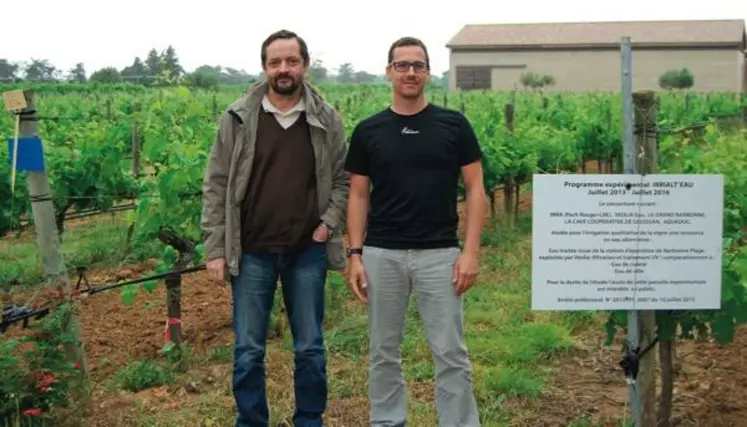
(408, 41)
(285, 34)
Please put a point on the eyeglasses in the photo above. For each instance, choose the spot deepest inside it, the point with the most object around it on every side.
(404, 66)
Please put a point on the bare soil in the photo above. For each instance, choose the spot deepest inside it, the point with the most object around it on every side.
(708, 391)
(132, 332)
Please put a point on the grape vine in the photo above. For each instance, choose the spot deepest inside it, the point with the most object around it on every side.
(88, 141)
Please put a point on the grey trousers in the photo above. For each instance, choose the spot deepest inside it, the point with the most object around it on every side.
(391, 276)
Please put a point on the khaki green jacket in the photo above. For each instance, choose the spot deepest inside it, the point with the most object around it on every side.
(230, 166)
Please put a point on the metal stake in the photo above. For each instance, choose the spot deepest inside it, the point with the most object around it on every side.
(629, 166)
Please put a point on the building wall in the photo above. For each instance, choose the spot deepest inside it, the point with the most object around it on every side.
(584, 70)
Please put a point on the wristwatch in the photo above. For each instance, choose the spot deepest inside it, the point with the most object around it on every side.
(355, 251)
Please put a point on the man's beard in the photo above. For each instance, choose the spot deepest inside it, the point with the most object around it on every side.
(285, 90)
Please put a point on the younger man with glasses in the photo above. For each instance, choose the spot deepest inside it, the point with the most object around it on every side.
(413, 153)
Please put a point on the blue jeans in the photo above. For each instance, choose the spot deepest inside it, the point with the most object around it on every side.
(303, 277)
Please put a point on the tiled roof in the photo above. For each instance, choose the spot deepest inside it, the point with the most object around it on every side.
(652, 33)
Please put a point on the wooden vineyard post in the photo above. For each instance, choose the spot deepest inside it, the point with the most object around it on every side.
(174, 311)
(136, 150)
(136, 141)
(186, 251)
(646, 158)
(109, 109)
(508, 183)
(47, 236)
(216, 112)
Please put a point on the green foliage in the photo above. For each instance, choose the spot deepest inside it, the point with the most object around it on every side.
(90, 158)
(129, 293)
(106, 75)
(555, 133)
(536, 81)
(721, 153)
(202, 80)
(95, 89)
(35, 375)
(143, 374)
(725, 154)
(677, 79)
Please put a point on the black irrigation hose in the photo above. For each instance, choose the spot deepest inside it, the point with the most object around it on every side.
(14, 313)
(101, 288)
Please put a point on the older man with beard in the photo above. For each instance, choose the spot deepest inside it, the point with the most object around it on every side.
(413, 153)
(274, 199)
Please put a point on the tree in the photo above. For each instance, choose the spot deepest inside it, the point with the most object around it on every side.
(345, 74)
(171, 62)
(8, 70)
(223, 75)
(364, 77)
(77, 74)
(106, 75)
(535, 81)
(677, 79)
(136, 71)
(153, 63)
(317, 72)
(202, 79)
(41, 70)
(444, 79)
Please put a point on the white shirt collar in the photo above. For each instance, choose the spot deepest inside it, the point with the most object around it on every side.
(267, 105)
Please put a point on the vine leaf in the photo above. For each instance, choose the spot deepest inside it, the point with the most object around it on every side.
(150, 285)
(723, 327)
(728, 282)
(128, 294)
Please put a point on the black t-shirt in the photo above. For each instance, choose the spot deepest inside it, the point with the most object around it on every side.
(414, 164)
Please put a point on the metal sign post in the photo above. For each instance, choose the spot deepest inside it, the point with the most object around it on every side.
(634, 325)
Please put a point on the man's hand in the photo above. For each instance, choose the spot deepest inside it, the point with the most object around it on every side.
(465, 272)
(216, 269)
(357, 281)
(321, 233)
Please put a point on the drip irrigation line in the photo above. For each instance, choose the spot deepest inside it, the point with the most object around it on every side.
(101, 288)
(15, 313)
(631, 359)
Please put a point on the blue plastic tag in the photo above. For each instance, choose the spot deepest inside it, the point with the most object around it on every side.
(30, 154)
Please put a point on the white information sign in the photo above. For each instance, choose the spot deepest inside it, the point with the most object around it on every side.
(627, 242)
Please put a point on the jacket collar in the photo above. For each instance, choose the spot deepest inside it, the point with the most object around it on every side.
(248, 105)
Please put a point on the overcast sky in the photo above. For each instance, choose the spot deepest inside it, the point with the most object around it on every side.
(229, 32)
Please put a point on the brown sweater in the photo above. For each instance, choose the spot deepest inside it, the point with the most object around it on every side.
(280, 210)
